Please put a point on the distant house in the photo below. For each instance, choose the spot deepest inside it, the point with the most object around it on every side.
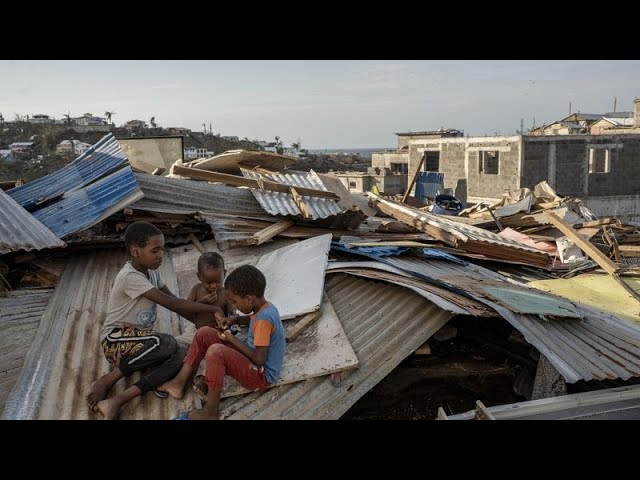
(7, 155)
(21, 146)
(191, 153)
(231, 137)
(67, 147)
(41, 118)
(88, 120)
(607, 123)
(559, 128)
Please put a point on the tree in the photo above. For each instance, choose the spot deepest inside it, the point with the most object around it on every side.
(296, 145)
(109, 115)
(279, 145)
(1, 119)
(204, 126)
(67, 116)
(153, 123)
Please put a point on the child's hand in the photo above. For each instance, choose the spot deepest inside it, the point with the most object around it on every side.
(226, 336)
(228, 321)
(209, 299)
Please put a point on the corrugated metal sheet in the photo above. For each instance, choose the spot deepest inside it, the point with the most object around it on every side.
(478, 283)
(599, 291)
(278, 203)
(102, 158)
(523, 205)
(459, 230)
(83, 208)
(429, 184)
(598, 347)
(66, 355)
(20, 231)
(172, 195)
(20, 313)
(622, 403)
(384, 323)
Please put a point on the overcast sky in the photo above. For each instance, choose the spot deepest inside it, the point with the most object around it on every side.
(324, 103)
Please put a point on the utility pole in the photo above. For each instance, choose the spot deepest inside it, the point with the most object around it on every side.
(615, 101)
(569, 107)
(522, 126)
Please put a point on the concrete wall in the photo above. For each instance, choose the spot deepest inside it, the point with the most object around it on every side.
(564, 163)
(624, 207)
(390, 184)
(385, 159)
(459, 158)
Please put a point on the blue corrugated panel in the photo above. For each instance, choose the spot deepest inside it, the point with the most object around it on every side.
(83, 208)
(382, 251)
(429, 184)
(440, 255)
(102, 158)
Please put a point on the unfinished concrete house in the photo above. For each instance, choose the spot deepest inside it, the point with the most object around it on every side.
(602, 169)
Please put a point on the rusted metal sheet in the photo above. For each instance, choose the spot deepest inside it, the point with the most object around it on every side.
(20, 313)
(385, 323)
(66, 355)
(19, 230)
(278, 203)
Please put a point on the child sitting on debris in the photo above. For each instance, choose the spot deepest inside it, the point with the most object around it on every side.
(210, 290)
(127, 338)
(255, 365)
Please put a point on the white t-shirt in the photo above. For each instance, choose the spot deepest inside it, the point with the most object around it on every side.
(126, 304)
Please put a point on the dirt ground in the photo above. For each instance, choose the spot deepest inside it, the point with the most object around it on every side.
(456, 374)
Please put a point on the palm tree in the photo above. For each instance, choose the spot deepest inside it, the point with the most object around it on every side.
(153, 123)
(109, 115)
(68, 118)
(279, 145)
(296, 145)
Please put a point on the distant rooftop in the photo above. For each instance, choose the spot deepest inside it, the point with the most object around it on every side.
(449, 132)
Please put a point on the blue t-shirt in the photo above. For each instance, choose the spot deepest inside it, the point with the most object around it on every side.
(276, 339)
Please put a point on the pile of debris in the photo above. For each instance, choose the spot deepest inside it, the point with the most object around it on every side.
(380, 278)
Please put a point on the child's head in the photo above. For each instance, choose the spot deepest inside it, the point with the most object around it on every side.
(211, 271)
(145, 243)
(244, 285)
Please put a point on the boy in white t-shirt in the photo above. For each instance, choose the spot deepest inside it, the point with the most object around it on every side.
(127, 337)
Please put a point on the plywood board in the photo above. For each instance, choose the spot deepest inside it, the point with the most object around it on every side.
(321, 349)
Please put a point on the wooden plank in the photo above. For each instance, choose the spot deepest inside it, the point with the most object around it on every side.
(596, 223)
(413, 180)
(271, 231)
(593, 253)
(158, 171)
(300, 203)
(302, 324)
(630, 250)
(237, 181)
(482, 413)
(197, 243)
(441, 414)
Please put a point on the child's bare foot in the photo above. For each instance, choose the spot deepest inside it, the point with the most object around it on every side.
(174, 387)
(110, 409)
(203, 414)
(200, 388)
(99, 390)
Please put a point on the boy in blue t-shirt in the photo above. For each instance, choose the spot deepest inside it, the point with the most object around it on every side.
(255, 365)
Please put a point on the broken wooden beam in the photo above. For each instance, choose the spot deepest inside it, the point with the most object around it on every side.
(413, 180)
(271, 231)
(197, 243)
(586, 246)
(297, 198)
(304, 323)
(482, 413)
(236, 181)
